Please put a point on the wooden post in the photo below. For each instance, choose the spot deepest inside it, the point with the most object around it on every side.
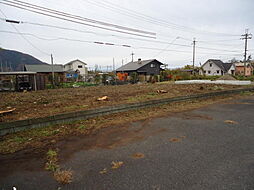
(35, 84)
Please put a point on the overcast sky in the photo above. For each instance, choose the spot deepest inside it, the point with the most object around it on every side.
(217, 26)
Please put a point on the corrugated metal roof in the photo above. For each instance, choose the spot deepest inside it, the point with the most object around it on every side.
(18, 73)
(132, 66)
(44, 68)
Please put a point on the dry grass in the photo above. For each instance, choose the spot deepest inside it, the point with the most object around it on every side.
(63, 176)
(103, 171)
(116, 165)
(231, 122)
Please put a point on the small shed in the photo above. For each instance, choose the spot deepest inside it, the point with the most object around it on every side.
(25, 76)
(46, 70)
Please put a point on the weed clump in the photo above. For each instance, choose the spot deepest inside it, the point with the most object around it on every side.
(63, 176)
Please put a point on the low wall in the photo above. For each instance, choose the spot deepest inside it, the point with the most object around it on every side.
(15, 126)
(229, 82)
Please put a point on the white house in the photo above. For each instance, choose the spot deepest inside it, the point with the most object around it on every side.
(214, 67)
(77, 66)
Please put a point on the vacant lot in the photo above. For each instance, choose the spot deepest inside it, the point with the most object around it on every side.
(51, 102)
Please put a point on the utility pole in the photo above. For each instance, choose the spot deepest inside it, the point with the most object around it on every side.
(194, 52)
(114, 70)
(2, 66)
(132, 56)
(53, 75)
(113, 64)
(246, 37)
(6, 66)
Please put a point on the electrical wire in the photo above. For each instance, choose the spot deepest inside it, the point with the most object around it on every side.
(140, 39)
(72, 18)
(114, 44)
(28, 41)
(147, 18)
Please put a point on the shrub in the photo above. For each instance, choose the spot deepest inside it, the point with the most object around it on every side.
(133, 77)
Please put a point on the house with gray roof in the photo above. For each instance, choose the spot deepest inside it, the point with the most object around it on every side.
(215, 67)
(147, 68)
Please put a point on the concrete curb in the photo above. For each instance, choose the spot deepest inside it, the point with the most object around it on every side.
(15, 126)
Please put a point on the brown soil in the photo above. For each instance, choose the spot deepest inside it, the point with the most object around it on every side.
(226, 77)
(50, 102)
(175, 139)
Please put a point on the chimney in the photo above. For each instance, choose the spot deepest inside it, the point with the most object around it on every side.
(139, 60)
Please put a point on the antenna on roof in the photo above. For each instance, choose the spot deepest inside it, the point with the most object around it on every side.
(132, 55)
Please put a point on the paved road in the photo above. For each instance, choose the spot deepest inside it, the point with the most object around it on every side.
(189, 150)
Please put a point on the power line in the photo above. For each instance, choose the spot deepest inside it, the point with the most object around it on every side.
(140, 39)
(115, 44)
(170, 44)
(124, 45)
(31, 44)
(75, 18)
(33, 6)
(147, 18)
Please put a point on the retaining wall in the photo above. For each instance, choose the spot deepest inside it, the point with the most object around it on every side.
(228, 82)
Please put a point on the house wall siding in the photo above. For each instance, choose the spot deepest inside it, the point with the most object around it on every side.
(151, 70)
(74, 66)
(240, 71)
(231, 71)
(213, 70)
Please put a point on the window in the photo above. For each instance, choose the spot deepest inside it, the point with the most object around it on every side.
(152, 65)
(218, 71)
(205, 72)
(211, 64)
(80, 66)
(209, 72)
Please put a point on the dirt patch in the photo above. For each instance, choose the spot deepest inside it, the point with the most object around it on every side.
(138, 155)
(177, 139)
(108, 138)
(50, 102)
(193, 116)
(226, 77)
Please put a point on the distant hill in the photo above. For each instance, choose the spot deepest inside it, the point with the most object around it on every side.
(11, 60)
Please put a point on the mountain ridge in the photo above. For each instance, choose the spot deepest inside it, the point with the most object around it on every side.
(12, 60)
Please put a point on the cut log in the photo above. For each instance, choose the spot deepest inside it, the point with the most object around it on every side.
(162, 91)
(104, 98)
(7, 111)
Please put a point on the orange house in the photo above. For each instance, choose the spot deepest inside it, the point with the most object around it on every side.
(240, 69)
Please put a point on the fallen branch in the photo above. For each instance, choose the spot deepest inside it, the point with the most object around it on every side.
(7, 111)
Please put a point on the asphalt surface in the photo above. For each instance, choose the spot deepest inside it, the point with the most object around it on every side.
(188, 150)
